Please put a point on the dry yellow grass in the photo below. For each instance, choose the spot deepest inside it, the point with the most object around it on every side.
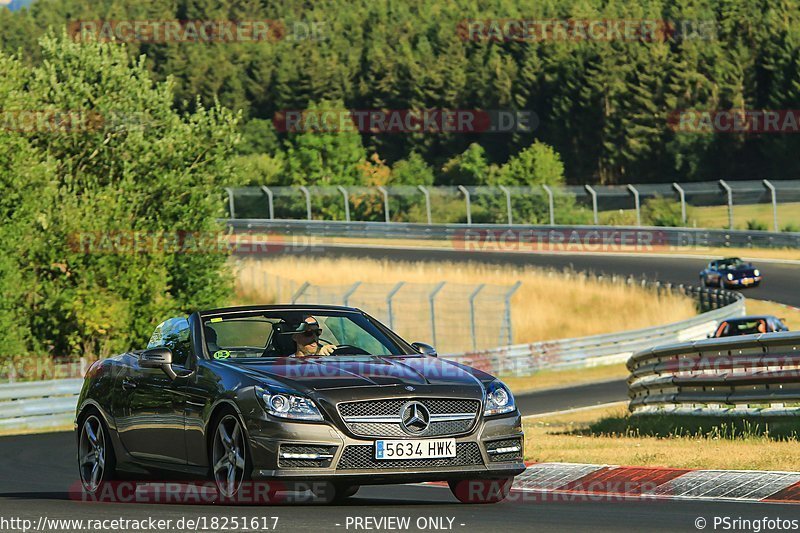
(548, 439)
(764, 307)
(548, 305)
(553, 379)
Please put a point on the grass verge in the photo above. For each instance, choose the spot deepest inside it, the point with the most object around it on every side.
(765, 307)
(610, 436)
(554, 379)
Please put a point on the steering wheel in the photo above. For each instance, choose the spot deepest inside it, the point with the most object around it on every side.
(349, 349)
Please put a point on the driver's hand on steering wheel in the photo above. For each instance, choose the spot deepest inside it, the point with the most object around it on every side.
(326, 349)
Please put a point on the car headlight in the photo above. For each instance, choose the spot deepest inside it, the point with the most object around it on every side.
(730, 276)
(285, 405)
(756, 272)
(499, 400)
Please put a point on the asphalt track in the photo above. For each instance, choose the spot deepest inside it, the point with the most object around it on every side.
(37, 471)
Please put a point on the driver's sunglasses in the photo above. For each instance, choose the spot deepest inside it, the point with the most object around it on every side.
(312, 333)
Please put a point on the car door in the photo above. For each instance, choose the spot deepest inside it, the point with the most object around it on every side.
(152, 422)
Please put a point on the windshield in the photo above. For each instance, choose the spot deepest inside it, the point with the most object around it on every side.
(295, 334)
(729, 264)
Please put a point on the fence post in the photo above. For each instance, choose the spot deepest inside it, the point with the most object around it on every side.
(389, 302)
(427, 194)
(507, 192)
(551, 204)
(270, 202)
(349, 293)
(682, 194)
(230, 202)
(507, 317)
(594, 203)
(431, 298)
(300, 291)
(728, 190)
(385, 194)
(772, 191)
(465, 192)
(346, 202)
(472, 315)
(635, 193)
(307, 194)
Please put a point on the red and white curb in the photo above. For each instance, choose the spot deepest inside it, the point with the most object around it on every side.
(659, 483)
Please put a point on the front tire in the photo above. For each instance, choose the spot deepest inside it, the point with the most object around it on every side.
(481, 490)
(230, 460)
(96, 460)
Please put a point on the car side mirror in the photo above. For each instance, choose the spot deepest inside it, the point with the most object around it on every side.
(425, 349)
(158, 358)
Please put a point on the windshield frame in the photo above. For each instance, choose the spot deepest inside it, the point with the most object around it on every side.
(397, 343)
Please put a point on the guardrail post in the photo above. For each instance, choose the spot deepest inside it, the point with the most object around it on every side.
(270, 202)
(427, 194)
(346, 202)
(551, 203)
(431, 300)
(772, 192)
(728, 190)
(507, 192)
(385, 194)
(465, 192)
(682, 194)
(231, 208)
(299, 292)
(349, 293)
(307, 194)
(594, 202)
(507, 310)
(472, 314)
(389, 298)
(635, 193)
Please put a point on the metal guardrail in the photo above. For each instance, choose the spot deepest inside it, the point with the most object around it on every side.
(744, 375)
(477, 237)
(38, 404)
(584, 352)
(501, 203)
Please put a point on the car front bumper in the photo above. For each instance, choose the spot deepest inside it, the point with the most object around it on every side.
(742, 282)
(352, 459)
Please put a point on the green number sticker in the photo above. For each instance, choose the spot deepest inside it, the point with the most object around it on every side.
(222, 354)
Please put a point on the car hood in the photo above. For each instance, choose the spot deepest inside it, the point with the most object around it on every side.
(334, 372)
(741, 271)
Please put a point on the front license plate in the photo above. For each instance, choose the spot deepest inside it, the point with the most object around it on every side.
(415, 449)
(747, 281)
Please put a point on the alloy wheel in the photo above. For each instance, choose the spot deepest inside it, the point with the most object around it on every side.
(92, 454)
(228, 457)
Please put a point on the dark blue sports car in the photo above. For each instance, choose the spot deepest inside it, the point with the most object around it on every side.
(730, 273)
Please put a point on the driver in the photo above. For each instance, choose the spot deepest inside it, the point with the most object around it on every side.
(306, 339)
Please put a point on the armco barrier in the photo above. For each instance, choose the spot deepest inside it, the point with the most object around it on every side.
(745, 375)
(38, 405)
(523, 237)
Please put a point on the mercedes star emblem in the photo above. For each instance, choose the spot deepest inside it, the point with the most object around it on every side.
(415, 417)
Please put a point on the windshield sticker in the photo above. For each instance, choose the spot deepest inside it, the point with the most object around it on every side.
(222, 354)
(217, 319)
